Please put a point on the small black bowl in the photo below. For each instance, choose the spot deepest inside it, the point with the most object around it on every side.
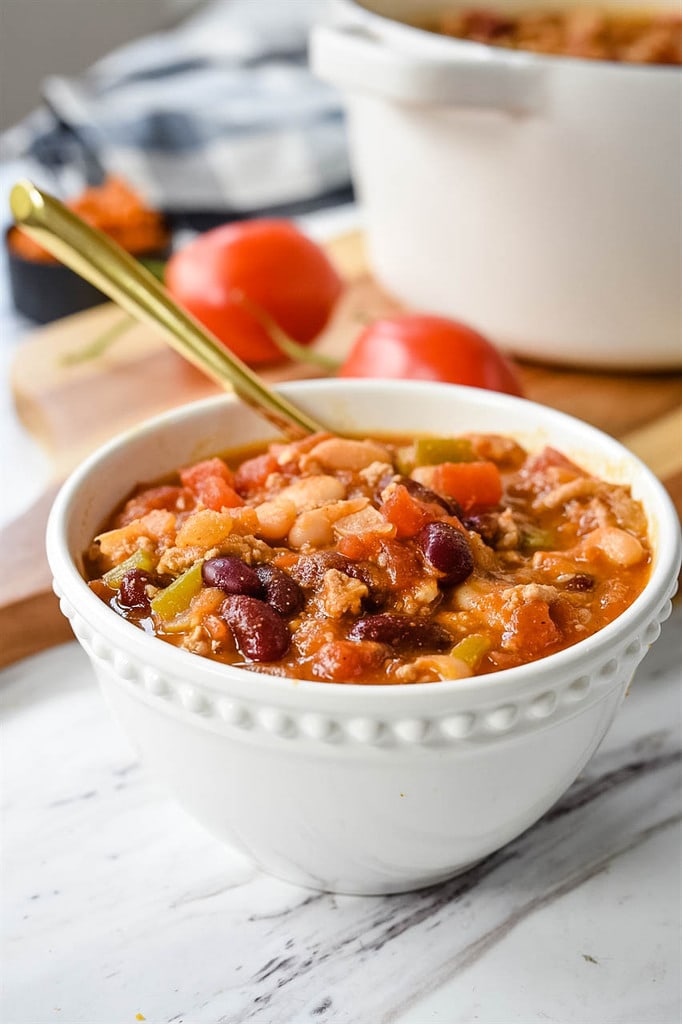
(48, 291)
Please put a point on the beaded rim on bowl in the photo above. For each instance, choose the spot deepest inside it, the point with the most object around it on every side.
(501, 720)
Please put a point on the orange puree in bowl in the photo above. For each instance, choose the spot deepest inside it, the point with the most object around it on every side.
(115, 209)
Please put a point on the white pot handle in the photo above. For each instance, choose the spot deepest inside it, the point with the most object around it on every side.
(352, 58)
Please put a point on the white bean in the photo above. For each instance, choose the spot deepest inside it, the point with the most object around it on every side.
(424, 475)
(619, 546)
(313, 491)
(275, 518)
(311, 529)
(342, 453)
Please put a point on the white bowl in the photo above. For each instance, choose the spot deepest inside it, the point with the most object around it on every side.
(350, 788)
(537, 198)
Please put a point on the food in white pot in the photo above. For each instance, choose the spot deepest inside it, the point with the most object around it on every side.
(536, 197)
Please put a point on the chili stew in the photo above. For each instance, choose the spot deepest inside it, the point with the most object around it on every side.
(375, 561)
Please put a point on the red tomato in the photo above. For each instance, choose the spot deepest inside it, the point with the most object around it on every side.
(418, 347)
(273, 266)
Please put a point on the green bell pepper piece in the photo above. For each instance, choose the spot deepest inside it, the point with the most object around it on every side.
(177, 595)
(139, 559)
(534, 538)
(471, 650)
(431, 451)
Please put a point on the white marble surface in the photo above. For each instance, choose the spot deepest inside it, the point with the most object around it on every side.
(115, 904)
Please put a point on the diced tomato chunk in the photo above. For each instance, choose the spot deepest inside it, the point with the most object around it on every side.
(216, 494)
(566, 618)
(472, 484)
(406, 513)
(359, 546)
(346, 661)
(216, 628)
(531, 628)
(254, 472)
(400, 563)
(211, 481)
(192, 476)
(163, 497)
(285, 559)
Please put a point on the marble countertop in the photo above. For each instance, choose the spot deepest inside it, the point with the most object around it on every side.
(118, 908)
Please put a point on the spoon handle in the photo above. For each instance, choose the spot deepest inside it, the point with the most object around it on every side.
(102, 262)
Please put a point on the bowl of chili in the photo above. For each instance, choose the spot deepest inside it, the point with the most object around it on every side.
(436, 751)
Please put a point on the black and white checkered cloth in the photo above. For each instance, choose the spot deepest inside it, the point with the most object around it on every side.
(218, 117)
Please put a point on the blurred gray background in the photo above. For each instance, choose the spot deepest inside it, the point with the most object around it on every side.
(45, 37)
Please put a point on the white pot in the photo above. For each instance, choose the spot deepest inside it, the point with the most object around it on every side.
(538, 198)
(364, 789)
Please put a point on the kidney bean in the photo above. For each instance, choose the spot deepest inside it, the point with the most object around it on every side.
(429, 497)
(231, 575)
(369, 575)
(581, 582)
(400, 631)
(485, 524)
(448, 551)
(281, 592)
(260, 633)
(357, 571)
(132, 591)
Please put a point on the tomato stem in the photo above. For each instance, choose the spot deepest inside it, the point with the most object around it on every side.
(291, 349)
(106, 339)
(99, 345)
(157, 268)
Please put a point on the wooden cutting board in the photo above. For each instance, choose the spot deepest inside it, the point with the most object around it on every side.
(72, 406)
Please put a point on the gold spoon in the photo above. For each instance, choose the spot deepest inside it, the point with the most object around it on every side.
(102, 262)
